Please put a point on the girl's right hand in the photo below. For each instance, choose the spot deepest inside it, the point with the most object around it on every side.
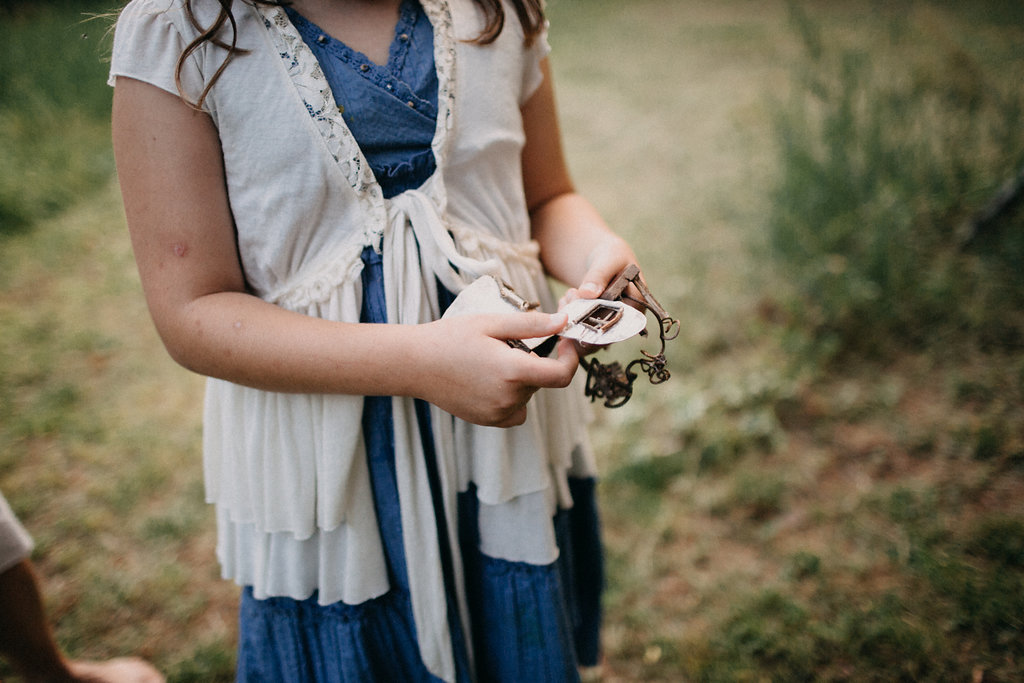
(470, 371)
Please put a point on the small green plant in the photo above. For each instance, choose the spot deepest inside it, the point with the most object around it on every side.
(652, 474)
(769, 635)
(883, 161)
(54, 113)
(759, 495)
(209, 663)
(803, 565)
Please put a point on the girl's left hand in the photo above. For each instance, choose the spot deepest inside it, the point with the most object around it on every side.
(604, 262)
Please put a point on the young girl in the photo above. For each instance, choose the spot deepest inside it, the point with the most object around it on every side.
(307, 184)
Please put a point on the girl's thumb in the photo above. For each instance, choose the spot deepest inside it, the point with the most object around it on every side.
(596, 279)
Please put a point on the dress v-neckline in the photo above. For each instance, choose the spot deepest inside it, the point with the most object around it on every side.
(397, 48)
(308, 79)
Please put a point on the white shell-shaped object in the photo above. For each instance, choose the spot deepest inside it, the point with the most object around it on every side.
(600, 322)
(482, 296)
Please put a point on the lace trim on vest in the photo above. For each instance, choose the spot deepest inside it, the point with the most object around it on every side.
(308, 78)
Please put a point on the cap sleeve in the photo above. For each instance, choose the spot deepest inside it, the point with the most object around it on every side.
(15, 543)
(532, 74)
(148, 41)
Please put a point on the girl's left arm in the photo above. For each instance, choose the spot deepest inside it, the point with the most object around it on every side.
(576, 245)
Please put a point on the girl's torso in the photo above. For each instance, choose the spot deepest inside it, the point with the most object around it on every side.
(283, 137)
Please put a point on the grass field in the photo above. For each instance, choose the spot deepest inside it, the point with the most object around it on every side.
(773, 512)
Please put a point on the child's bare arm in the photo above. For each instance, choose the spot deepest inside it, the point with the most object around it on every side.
(577, 246)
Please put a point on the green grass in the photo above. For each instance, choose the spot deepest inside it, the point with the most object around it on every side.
(959, 599)
(744, 541)
(54, 110)
(885, 155)
(769, 513)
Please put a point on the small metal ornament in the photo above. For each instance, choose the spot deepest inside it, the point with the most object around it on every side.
(600, 322)
(615, 316)
(612, 382)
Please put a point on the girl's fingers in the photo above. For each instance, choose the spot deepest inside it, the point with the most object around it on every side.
(590, 289)
(605, 262)
(490, 383)
(597, 278)
(524, 325)
(535, 371)
(555, 372)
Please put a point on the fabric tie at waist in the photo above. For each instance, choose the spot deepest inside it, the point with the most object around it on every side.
(417, 247)
(436, 248)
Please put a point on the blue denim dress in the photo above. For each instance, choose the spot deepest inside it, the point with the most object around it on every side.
(529, 622)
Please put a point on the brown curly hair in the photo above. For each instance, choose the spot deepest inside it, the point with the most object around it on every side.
(529, 12)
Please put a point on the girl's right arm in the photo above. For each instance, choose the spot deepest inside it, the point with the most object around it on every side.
(172, 182)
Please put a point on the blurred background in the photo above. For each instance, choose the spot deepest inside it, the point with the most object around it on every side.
(830, 487)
